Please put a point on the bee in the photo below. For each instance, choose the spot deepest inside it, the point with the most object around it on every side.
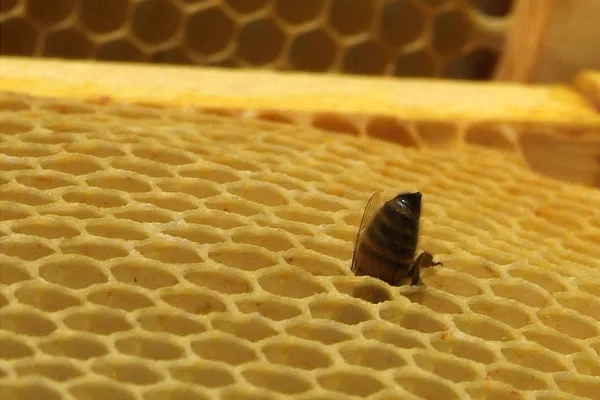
(387, 238)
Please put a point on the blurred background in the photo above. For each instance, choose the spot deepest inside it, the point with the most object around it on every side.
(462, 39)
(519, 40)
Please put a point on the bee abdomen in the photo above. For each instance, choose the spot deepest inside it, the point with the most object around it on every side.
(398, 237)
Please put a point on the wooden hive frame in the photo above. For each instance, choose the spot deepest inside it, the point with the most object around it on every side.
(554, 128)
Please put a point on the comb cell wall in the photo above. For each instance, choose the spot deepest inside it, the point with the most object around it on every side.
(151, 252)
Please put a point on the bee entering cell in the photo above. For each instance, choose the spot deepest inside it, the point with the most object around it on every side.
(386, 241)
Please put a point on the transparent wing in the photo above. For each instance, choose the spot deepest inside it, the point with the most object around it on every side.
(373, 205)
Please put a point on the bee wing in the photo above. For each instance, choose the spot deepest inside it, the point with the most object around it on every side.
(373, 205)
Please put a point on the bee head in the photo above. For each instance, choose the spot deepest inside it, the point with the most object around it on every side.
(412, 200)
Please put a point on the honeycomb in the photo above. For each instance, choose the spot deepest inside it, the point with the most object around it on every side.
(154, 252)
(451, 38)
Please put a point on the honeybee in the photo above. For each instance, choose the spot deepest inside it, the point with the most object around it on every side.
(387, 238)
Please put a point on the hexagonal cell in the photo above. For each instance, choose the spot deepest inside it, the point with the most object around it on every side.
(57, 371)
(447, 367)
(478, 64)
(17, 37)
(586, 364)
(72, 164)
(438, 302)
(100, 322)
(494, 8)
(248, 328)
(297, 355)
(391, 334)
(208, 374)
(277, 379)
(390, 129)
(45, 298)
(290, 284)
(170, 322)
(69, 43)
(320, 331)
(11, 126)
(483, 327)
(372, 355)
(366, 58)
(107, 389)
(522, 379)
(297, 12)
(402, 22)
(49, 228)
(155, 21)
(48, 13)
(531, 295)
(452, 30)
(224, 348)
(569, 323)
(313, 51)
(549, 281)
(492, 136)
(334, 123)
(534, 357)
(119, 50)
(412, 319)
(268, 238)
(494, 390)
(416, 63)
(246, 6)
(29, 390)
(501, 310)
(103, 16)
(350, 382)
(13, 349)
(261, 193)
(223, 281)
(468, 349)
(12, 272)
(116, 230)
(436, 134)
(182, 253)
(426, 387)
(242, 257)
(351, 17)
(209, 31)
(581, 386)
(76, 347)
(273, 309)
(27, 323)
(346, 312)
(98, 248)
(26, 249)
(195, 302)
(135, 372)
(149, 348)
(585, 305)
(45, 181)
(120, 298)
(260, 42)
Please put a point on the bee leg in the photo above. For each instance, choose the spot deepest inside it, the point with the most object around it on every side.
(424, 260)
(416, 274)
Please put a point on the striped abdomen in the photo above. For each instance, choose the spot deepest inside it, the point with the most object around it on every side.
(390, 240)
